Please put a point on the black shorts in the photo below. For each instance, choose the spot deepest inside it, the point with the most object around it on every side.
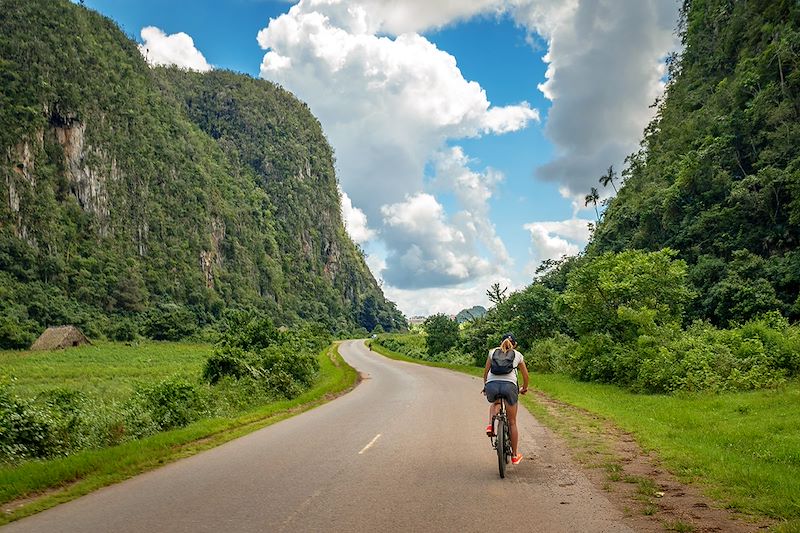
(505, 389)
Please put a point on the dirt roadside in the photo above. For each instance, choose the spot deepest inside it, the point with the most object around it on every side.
(650, 498)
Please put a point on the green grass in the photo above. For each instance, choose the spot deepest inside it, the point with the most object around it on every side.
(743, 448)
(48, 483)
(107, 370)
(467, 369)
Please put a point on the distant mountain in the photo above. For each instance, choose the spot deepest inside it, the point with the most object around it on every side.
(465, 315)
(128, 192)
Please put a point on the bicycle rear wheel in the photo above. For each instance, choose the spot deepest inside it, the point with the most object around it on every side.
(501, 446)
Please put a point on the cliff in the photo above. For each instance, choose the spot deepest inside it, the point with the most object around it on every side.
(129, 192)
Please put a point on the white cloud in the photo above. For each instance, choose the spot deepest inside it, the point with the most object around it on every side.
(176, 49)
(389, 100)
(387, 104)
(605, 68)
(473, 191)
(355, 221)
(552, 240)
(420, 15)
(427, 250)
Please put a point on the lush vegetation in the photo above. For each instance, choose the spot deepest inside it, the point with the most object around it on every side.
(691, 279)
(141, 201)
(56, 404)
(717, 177)
(37, 485)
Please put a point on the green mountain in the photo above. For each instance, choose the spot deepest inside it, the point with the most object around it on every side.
(139, 196)
(717, 177)
(465, 315)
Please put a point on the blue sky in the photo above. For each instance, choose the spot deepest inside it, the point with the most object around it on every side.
(463, 152)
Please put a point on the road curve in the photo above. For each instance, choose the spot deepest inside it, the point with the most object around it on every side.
(404, 451)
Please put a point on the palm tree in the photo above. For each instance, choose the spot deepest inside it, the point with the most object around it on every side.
(592, 198)
(609, 178)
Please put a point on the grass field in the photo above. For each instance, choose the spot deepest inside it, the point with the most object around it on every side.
(107, 370)
(742, 448)
(36, 485)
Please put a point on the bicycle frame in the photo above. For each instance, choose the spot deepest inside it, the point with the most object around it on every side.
(501, 441)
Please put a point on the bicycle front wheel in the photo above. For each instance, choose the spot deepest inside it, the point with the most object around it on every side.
(502, 436)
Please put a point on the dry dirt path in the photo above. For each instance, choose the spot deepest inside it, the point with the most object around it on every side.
(404, 451)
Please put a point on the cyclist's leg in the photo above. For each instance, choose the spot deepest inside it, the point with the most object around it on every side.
(494, 408)
(512, 425)
(491, 389)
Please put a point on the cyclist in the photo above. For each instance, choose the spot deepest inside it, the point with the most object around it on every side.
(497, 385)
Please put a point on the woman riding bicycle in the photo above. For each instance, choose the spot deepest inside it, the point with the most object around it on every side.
(500, 381)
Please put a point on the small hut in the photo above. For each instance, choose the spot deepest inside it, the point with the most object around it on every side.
(60, 337)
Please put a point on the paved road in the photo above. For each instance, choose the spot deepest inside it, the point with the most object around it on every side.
(404, 451)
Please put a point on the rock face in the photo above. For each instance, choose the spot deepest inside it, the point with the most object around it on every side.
(125, 186)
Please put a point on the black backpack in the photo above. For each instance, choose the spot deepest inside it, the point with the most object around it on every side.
(502, 363)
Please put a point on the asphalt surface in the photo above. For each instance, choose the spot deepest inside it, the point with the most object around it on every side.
(404, 451)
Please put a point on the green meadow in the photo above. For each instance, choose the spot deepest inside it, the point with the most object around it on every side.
(108, 375)
(104, 370)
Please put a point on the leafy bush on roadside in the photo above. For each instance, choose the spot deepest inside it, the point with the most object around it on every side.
(284, 361)
(23, 431)
(413, 345)
(172, 403)
(551, 355)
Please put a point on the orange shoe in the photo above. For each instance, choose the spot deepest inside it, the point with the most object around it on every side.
(490, 430)
(517, 459)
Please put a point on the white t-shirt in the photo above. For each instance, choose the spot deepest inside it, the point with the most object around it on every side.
(511, 376)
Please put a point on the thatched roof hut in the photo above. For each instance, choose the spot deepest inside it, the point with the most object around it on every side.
(60, 337)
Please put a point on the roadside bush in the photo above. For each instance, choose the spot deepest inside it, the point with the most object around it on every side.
(283, 361)
(172, 403)
(616, 294)
(23, 430)
(551, 355)
(442, 333)
(63, 410)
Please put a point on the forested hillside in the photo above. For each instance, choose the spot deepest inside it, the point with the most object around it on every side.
(718, 174)
(691, 279)
(139, 200)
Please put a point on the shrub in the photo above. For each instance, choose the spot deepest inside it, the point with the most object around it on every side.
(614, 293)
(283, 361)
(551, 355)
(123, 330)
(15, 334)
(172, 403)
(169, 322)
(442, 333)
(23, 430)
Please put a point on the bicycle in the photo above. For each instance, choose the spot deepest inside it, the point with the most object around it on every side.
(501, 440)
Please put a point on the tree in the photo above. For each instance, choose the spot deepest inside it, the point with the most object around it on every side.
(592, 198)
(608, 177)
(495, 294)
(442, 333)
(620, 294)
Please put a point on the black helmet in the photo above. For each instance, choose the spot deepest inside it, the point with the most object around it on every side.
(509, 335)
